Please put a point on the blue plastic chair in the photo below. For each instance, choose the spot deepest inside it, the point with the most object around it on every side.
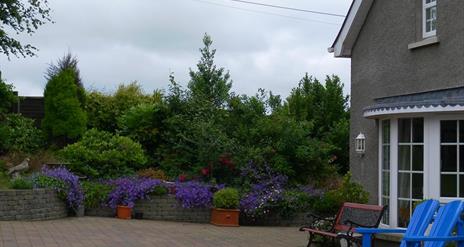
(449, 217)
(420, 220)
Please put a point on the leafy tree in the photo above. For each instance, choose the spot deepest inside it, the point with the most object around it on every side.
(68, 62)
(209, 83)
(21, 16)
(327, 108)
(64, 120)
(7, 97)
(104, 109)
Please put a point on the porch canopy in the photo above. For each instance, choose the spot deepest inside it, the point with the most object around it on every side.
(445, 100)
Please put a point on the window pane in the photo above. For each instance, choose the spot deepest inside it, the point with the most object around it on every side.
(449, 131)
(461, 186)
(404, 185)
(449, 158)
(404, 130)
(461, 158)
(418, 158)
(386, 215)
(417, 186)
(449, 185)
(404, 209)
(418, 130)
(428, 14)
(404, 158)
(386, 131)
(386, 158)
(461, 131)
(385, 183)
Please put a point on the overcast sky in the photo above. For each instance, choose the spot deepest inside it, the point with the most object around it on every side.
(119, 41)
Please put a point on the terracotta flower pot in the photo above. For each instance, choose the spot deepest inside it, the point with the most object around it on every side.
(225, 217)
(124, 212)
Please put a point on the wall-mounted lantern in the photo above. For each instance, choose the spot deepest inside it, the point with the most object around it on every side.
(360, 143)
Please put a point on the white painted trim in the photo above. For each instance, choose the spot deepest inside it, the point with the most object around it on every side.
(339, 43)
(425, 42)
(425, 6)
(393, 172)
(380, 147)
(415, 109)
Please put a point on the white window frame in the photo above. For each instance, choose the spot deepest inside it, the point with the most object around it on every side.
(432, 171)
(426, 6)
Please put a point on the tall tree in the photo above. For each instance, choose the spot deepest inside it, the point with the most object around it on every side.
(65, 120)
(209, 83)
(68, 62)
(21, 16)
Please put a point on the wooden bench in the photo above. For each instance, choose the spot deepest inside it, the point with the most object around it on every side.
(349, 216)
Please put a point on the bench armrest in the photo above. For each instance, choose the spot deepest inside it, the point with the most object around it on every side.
(378, 230)
(431, 239)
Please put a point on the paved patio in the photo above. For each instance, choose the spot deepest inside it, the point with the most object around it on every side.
(92, 231)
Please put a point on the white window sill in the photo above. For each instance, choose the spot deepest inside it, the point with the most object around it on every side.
(424, 42)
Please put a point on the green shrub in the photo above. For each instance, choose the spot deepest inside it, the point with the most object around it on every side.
(160, 191)
(102, 154)
(348, 191)
(64, 119)
(19, 134)
(227, 198)
(49, 182)
(7, 96)
(294, 202)
(95, 194)
(21, 184)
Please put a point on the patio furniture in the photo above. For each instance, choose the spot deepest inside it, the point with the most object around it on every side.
(350, 215)
(447, 219)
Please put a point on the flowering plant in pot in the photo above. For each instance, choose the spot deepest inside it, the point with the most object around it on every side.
(225, 211)
(127, 190)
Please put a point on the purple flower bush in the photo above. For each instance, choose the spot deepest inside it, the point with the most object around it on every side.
(267, 188)
(64, 182)
(127, 190)
(194, 194)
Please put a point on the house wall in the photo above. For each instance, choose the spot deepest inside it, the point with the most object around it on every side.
(382, 65)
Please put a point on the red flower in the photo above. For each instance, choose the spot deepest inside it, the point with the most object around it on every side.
(182, 178)
(205, 171)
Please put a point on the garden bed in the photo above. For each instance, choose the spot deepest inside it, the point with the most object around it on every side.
(37, 204)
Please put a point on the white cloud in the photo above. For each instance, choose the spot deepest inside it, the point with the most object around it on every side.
(121, 41)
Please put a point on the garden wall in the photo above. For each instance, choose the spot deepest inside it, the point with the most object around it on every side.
(168, 208)
(160, 208)
(37, 204)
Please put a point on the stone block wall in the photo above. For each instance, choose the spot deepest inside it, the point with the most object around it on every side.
(168, 208)
(37, 204)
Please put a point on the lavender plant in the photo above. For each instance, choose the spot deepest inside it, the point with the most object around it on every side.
(194, 194)
(127, 190)
(63, 182)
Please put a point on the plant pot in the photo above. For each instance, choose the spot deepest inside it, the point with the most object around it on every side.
(124, 212)
(225, 217)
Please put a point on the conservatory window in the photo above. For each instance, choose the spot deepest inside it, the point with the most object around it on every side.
(452, 158)
(410, 166)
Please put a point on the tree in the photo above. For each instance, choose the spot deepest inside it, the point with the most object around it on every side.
(209, 83)
(21, 16)
(327, 108)
(64, 120)
(7, 97)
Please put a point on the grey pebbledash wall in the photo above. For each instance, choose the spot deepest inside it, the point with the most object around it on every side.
(168, 208)
(37, 204)
(383, 66)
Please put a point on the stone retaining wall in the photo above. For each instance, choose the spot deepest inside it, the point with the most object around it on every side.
(37, 204)
(168, 208)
